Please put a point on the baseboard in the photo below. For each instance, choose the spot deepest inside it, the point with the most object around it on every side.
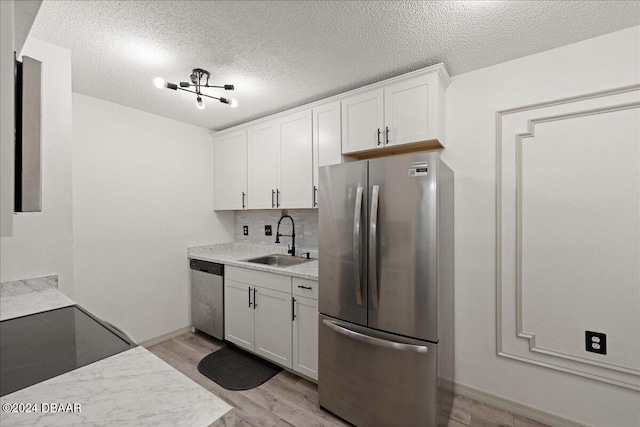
(515, 407)
(164, 337)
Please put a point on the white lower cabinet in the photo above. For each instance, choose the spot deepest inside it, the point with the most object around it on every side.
(274, 316)
(305, 336)
(238, 314)
(259, 320)
(273, 325)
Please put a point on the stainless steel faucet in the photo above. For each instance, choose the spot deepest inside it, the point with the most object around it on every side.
(292, 250)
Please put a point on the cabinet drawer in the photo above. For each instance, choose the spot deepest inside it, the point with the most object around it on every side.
(305, 287)
(277, 282)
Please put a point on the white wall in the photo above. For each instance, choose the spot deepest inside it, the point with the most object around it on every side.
(6, 118)
(472, 101)
(143, 193)
(42, 242)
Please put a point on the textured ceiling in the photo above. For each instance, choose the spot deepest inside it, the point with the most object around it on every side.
(283, 54)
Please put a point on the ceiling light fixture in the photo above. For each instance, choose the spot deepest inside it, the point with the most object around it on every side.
(199, 80)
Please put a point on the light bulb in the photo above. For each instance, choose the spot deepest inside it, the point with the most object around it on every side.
(159, 82)
(234, 103)
(200, 103)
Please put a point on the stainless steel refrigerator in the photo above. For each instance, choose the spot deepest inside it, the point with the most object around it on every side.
(386, 334)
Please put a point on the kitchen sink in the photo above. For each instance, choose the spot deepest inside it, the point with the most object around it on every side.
(278, 260)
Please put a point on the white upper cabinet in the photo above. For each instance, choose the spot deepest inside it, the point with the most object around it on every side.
(296, 161)
(230, 171)
(362, 121)
(263, 163)
(411, 111)
(327, 148)
(273, 163)
(405, 110)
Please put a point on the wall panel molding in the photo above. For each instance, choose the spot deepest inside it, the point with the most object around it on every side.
(513, 127)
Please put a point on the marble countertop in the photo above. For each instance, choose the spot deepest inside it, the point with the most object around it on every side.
(130, 388)
(23, 297)
(28, 286)
(235, 254)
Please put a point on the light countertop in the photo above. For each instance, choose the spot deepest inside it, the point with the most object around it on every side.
(235, 254)
(24, 297)
(130, 388)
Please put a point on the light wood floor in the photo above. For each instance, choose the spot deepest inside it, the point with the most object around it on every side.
(288, 400)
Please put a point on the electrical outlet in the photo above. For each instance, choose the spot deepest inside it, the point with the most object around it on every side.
(267, 230)
(245, 230)
(595, 342)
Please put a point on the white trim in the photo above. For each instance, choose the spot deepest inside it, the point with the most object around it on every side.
(498, 176)
(531, 336)
(514, 407)
(439, 68)
(164, 337)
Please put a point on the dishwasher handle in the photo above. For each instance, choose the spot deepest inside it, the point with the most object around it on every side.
(207, 267)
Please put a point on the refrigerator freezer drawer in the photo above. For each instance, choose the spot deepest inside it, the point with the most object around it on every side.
(371, 378)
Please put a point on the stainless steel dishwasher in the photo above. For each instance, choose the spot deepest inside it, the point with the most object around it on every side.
(207, 297)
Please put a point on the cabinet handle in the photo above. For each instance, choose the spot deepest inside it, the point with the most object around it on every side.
(387, 133)
(243, 205)
(277, 198)
(255, 300)
(249, 296)
(304, 287)
(293, 309)
(273, 192)
(378, 136)
(315, 197)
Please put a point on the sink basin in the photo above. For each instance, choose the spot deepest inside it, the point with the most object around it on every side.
(278, 260)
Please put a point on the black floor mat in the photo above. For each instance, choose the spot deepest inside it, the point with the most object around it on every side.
(236, 369)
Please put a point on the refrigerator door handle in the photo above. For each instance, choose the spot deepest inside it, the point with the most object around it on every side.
(373, 246)
(357, 260)
(373, 340)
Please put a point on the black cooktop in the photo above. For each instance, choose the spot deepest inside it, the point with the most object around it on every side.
(40, 346)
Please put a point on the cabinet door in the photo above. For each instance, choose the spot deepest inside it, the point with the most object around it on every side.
(296, 161)
(230, 171)
(327, 148)
(362, 121)
(410, 110)
(263, 153)
(305, 336)
(238, 314)
(273, 326)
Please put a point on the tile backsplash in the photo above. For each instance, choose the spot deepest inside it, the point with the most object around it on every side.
(306, 221)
